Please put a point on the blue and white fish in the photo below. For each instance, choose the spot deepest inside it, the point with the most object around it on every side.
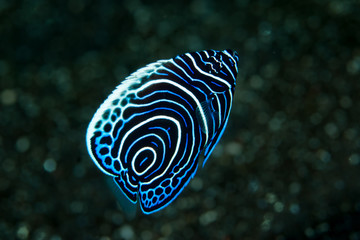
(151, 130)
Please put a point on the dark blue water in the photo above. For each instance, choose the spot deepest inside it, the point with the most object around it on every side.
(287, 167)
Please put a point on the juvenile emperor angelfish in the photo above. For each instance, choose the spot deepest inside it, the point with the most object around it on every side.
(150, 131)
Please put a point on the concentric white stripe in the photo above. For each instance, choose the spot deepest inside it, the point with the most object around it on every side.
(162, 117)
(152, 162)
(188, 92)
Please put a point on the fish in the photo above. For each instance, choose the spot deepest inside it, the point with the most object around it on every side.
(150, 132)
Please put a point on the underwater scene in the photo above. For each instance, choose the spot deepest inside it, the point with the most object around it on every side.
(202, 119)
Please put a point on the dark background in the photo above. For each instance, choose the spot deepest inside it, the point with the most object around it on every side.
(288, 166)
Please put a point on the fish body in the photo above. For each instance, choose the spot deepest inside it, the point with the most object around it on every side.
(150, 131)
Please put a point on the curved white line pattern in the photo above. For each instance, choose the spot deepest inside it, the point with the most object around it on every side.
(150, 131)
(154, 157)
